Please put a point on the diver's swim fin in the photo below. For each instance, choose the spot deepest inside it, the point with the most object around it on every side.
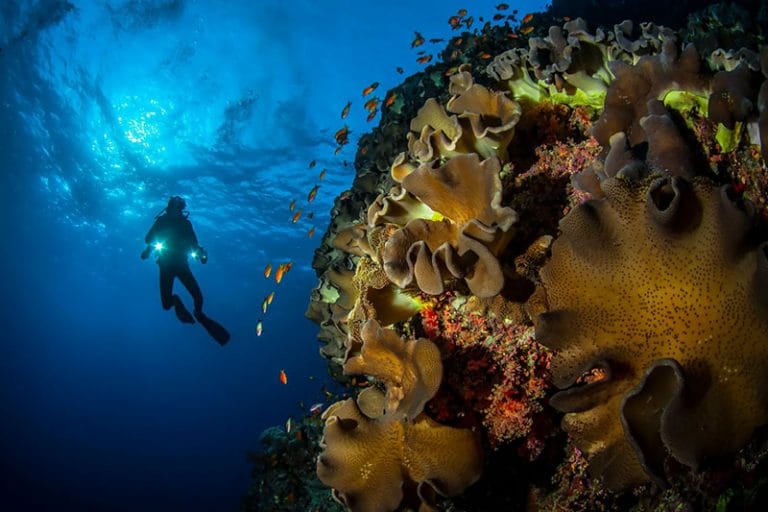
(214, 328)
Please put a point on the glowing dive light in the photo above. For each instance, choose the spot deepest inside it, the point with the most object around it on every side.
(159, 246)
(193, 254)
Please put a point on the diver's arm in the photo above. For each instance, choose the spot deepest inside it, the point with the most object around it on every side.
(196, 245)
(148, 240)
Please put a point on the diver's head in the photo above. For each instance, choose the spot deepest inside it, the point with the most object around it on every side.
(176, 205)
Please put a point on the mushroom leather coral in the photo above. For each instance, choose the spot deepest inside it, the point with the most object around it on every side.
(367, 461)
(658, 315)
(465, 243)
(410, 370)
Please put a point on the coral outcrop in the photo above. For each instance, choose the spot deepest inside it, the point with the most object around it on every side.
(572, 232)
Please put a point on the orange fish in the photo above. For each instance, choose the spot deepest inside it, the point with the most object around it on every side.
(267, 270)
(512, 35)
(312, 163)
(451, 70)
(342, 135)
(390, 100)
(424, 59)
(296, 217)
(312, 193)
(566, 18)
(502, 7)
(498, 16)
(311, 232)
(321, 175)
(270, 297)
(288, 266)
(345, 110)
(458, 42)
(527, 18)
(283, 377)
(368, 90)
(371, 115)
(279, 273)
(292, 205)
(462, 12)
(338, 150)
(454, 22)
(526, 30)
(485, 55)
(371, 104)
(418, 40)
(400, 70)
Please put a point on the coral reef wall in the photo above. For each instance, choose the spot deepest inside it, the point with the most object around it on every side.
(551, 274)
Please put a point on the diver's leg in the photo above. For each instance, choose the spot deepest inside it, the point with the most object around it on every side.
(166, 288)
(171, 300)
(190, 283)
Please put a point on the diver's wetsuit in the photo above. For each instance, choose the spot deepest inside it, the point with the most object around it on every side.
(178, 239)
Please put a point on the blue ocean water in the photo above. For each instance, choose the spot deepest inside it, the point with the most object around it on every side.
(107, 108)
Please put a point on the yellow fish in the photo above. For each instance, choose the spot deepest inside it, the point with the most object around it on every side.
(311, 232)
(292, 205)
(296, 217)
(267, 270)
(264, 304)
(270, 297)
(259, 327)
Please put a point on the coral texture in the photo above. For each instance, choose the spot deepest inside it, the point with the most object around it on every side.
(411, 370)
(371, 463)
(463, 244)
(659, 322)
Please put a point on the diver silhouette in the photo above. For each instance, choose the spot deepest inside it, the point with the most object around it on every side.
(174, 241)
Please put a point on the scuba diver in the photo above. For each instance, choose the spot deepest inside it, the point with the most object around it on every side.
(174, 240)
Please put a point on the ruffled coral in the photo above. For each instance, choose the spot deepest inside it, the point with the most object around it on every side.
(410, 370)
(465, 243)
(659, 320)
(484, 123)
(371, 463)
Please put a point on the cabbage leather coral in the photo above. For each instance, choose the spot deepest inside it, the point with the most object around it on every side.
(483, 122)
(465, 242)
(375, 464)
(658, 316)
(411, 370)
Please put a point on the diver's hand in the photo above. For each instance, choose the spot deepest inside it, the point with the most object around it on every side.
(203, 256)
(145, 252)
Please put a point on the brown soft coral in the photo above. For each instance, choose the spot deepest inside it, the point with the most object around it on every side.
(659, 319)
(485, 123)
(410, 370)
(465, 243)
(371, 463)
